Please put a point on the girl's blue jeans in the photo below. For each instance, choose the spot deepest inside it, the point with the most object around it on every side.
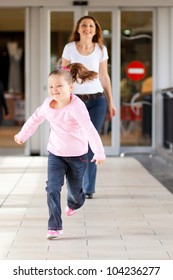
(73, 169)
(97, 110)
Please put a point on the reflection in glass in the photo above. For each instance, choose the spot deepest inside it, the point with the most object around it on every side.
(136, 78)
(61, 27)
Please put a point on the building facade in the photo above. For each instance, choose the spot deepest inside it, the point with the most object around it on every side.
(139, 38)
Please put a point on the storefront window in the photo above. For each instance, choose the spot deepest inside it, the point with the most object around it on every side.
(12, 82)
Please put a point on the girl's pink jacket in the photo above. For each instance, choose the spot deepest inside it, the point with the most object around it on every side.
(70, 129)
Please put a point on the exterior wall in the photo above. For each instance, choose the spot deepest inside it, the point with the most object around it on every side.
(96, 3)
(171, 44)
(162, 62)
(163, 67)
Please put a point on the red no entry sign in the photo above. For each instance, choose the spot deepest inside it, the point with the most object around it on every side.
(136, 70)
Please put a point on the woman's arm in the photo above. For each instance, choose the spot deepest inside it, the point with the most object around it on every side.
(65, 62)
(106, 84)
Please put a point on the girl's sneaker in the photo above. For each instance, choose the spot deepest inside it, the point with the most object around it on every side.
(69, 212)
(54, 234)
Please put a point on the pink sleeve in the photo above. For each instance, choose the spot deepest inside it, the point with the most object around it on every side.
(32, 123)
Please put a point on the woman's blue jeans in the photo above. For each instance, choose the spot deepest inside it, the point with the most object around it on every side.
(73, 169)
(97, 110)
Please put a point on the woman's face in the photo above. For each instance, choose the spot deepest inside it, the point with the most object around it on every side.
(87, 28)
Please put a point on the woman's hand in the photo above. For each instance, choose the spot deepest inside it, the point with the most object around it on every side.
(17, 141)
(98, 161)
(112, 110)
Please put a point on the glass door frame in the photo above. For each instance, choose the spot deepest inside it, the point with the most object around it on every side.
(45, 50)
(146, 149)
(115, 149)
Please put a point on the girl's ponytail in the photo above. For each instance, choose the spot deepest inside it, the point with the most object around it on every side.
(80, 73)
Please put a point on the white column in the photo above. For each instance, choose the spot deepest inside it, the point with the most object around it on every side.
(32, 73)
(162, 69)
(171, 46)
(116, 54)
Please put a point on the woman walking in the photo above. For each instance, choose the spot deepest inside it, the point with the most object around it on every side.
(86, 47)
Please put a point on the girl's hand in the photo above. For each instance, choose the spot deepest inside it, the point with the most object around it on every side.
(17, 141)
(98, 161)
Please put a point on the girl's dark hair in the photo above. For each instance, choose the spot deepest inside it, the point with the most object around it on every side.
(75, 72)
(97, 38)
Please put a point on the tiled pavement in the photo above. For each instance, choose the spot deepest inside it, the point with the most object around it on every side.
(130, 217)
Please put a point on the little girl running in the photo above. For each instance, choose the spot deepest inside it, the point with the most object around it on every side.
(71, 132)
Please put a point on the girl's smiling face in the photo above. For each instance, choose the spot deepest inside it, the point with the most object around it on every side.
(59, 89)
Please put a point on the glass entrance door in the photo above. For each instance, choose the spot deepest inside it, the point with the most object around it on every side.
(128, 37)
(136, 78)
(61, 26)
(104, 18)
